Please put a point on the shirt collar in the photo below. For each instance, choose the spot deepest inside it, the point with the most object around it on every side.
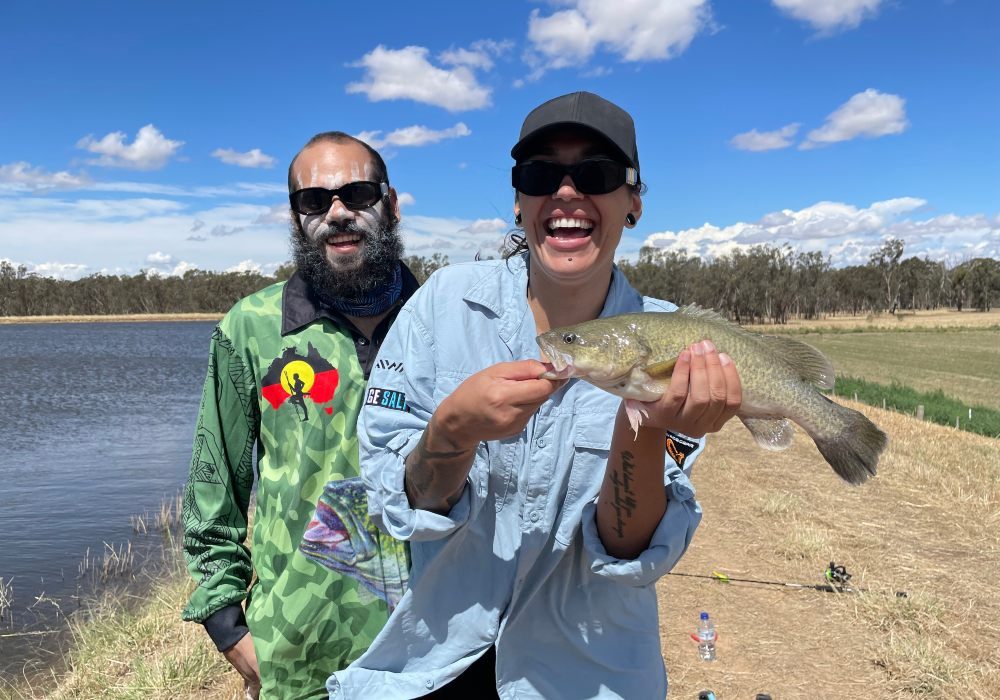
(300, 307)
(510, 304)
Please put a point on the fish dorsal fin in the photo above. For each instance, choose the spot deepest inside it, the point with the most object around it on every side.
(808, 362)
(711, 315)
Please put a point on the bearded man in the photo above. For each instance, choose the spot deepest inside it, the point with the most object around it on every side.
(287, 374)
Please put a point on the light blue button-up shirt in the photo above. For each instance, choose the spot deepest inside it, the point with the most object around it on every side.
(517, 562)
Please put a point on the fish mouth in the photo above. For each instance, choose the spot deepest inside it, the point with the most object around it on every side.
(563, 367)
(562, 363)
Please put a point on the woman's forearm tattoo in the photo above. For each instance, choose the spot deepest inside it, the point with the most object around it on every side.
(624, 495)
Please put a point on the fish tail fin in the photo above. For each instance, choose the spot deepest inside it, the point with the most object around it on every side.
(853, 451)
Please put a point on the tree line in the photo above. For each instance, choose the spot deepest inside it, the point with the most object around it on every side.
(761, 284)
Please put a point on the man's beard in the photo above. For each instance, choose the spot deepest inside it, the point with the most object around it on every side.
(356, 274)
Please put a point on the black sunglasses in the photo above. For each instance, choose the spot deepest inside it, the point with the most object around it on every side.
(354, 196)
(590, 176)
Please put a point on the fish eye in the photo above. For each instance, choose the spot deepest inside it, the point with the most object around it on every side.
(569, 338)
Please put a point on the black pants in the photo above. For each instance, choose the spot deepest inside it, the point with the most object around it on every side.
(478, 681)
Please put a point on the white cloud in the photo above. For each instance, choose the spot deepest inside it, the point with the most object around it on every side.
(870, 113)
(846, 232)
(87, 209)
(149, 151)
(159, 258)
(65, 271)
(407, 74)
(754, 140)
(480, 55)
(225, 230)
(415, 135)
(92, 236)
(829, 15)
(459, 239)
(636, 30)
(405, 199)
(245, 266)
(278, 214)
(22, 176)
(177, 270)
(253, 158)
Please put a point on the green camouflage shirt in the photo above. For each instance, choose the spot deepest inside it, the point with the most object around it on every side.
(285, 375)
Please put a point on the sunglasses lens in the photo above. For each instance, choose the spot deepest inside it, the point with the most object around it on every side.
(317, 200)
(359, 195)
(313, 200)
(596, 176)
(537, 177)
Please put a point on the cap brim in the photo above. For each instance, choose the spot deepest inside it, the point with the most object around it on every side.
(523, 148)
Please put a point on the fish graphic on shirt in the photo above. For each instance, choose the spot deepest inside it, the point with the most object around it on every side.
(342, 537)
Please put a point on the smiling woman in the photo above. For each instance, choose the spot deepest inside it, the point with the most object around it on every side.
(519, 493)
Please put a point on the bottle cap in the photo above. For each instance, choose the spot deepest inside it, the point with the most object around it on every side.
(704, 616)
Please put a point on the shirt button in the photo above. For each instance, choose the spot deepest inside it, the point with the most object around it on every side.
(429, 683)
(534, 516)
(362, 341)
(542, 442)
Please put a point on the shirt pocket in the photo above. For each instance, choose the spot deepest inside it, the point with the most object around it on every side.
(591, 447)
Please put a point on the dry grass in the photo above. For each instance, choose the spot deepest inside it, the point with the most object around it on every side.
(929, 524)
(937, 318)
(131, 652)
(110, 318)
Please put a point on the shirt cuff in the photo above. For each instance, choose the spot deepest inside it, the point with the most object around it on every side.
(226, 627)
(669, 541)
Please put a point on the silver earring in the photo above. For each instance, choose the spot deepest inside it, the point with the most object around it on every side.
(629, 219)
(517, 219)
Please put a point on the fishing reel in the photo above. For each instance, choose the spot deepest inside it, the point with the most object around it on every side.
(837, 575)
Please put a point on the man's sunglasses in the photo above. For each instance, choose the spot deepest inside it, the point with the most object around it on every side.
(353, 195)
(591, 176)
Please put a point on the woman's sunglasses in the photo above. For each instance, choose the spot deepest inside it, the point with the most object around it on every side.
(353, 195)
(591, 176)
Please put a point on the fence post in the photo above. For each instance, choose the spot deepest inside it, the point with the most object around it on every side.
(920, 412)
(956, 421)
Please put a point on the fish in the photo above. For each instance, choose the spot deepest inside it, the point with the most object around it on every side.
(633, 356)
(341, 537)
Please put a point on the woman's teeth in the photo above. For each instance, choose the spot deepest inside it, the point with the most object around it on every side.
(568, 225)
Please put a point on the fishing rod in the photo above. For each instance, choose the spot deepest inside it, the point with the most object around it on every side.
(836, 577)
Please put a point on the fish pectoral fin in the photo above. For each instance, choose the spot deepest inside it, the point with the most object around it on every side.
(773, 434)
(635, 412)
(661, 370)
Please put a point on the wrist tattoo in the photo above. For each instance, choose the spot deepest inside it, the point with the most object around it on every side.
(624, 495)
(426, 466)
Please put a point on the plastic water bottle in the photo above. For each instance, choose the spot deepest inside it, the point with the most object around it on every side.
(706, 638)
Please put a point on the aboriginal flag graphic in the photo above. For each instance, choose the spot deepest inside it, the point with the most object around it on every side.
(293, 378)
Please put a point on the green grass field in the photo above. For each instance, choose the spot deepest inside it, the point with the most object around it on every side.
(964, 364)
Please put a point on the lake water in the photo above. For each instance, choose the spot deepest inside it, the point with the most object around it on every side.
(96, 427)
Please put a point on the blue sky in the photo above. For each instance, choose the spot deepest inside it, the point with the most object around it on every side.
(156, 136)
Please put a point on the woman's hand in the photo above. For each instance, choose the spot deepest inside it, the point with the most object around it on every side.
(492, 404)
(704, 393)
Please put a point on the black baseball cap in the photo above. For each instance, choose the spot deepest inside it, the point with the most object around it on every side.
(580, 109)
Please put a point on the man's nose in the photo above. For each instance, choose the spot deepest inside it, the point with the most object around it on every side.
(567, 189)
(338, 213)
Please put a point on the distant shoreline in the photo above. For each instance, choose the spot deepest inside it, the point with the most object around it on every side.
(110, 318)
